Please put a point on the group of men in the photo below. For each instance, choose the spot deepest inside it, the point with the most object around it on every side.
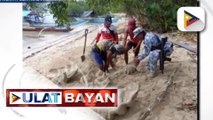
(108, 47)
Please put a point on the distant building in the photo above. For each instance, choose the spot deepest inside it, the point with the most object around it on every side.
(31, 17)
(88, 14)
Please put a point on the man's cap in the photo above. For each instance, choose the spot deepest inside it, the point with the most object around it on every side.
(137, 31)
(108, 19)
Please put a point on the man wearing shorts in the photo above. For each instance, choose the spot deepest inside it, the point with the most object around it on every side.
(103, 51)
(131, 42)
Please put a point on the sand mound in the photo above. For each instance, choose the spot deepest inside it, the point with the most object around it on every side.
(62, 65)
(67, 70)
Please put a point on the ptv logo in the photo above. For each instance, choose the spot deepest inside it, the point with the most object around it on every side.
(191, 19)
(14, 98)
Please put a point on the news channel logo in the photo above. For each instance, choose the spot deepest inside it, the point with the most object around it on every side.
(191, 19)
(62, 97)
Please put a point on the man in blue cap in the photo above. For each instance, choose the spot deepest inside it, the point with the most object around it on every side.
(108, 31)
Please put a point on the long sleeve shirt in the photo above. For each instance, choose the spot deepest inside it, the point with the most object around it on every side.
(149, 41)
(106, 34)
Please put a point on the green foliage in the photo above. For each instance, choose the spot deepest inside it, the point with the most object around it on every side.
(39, 8)
(76, 8)
(59, 10)
(104, 6)
(159, 15)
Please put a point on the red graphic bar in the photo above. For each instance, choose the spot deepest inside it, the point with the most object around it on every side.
(61, 97)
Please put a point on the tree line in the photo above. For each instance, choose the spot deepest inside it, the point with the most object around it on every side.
(158, 15)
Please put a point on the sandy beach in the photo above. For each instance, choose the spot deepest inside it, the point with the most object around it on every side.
(59, 60)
